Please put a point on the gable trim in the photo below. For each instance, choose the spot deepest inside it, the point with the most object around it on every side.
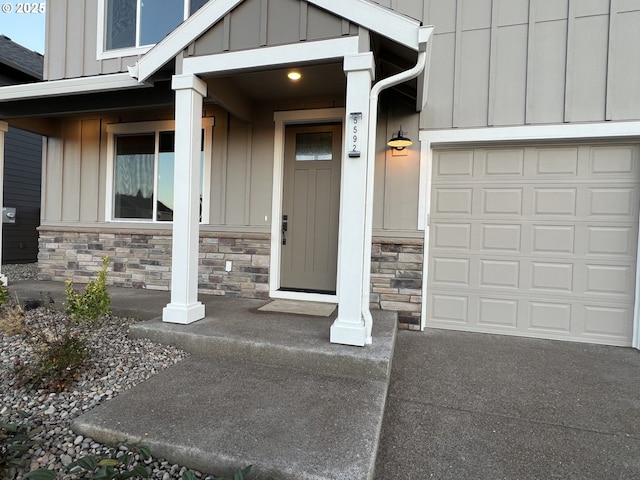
(100, 83)
(283, 54)
(384, 21)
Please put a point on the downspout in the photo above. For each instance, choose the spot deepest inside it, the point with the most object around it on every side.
(424, 33)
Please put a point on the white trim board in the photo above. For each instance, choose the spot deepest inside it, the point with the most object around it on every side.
(459, 137)
(268, 56)
(100, 83)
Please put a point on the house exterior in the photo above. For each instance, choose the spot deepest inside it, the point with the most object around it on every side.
(177, 145)
(22, 163)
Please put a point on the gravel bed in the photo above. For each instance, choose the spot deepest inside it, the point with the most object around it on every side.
(20, 271)
(117, 364)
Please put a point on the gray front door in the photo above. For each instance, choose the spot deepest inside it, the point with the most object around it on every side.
(311, 201)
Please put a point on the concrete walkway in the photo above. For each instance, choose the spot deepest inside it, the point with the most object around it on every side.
(459, 405)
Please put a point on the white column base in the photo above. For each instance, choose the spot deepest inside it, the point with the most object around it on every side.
(3, 280)
(183, 314)
(347, 333)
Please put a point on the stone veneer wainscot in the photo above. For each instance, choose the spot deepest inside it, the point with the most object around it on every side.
(142, 259)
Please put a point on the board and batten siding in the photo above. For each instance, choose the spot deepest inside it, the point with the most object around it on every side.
(519, 62)
(72, 33)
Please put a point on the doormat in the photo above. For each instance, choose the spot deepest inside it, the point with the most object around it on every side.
(317, 309)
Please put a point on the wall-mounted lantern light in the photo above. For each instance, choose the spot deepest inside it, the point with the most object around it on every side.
(399, 141)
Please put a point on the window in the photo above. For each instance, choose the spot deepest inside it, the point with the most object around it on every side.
(131, 24)
(141, 171)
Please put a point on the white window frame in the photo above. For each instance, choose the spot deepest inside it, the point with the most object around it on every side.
(115, 129)
(103, 54)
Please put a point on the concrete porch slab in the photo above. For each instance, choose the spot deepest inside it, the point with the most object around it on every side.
(235, 329)
(219, 415)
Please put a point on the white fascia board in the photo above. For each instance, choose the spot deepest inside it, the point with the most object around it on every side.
(267, 56)
(100, 83)
(183, 35)
(532, 133)
(382, 20)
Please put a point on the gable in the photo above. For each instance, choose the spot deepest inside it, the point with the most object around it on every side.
(251, 25)
(371, 16)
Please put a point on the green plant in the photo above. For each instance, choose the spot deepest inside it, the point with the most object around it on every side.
(15, 441)
(60, 352)
(115, 466)
(94, 302)
(4, 294)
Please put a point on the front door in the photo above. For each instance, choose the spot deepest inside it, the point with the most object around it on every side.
(311, 200)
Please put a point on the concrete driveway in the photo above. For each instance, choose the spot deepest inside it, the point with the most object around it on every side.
(475, 406)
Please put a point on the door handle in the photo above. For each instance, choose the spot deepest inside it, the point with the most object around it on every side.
(284, 229)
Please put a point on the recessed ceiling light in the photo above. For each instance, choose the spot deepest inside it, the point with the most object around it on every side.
(295, 76)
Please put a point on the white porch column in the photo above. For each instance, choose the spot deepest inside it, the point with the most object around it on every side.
(4, 128)
(185, 307)
(349, 328)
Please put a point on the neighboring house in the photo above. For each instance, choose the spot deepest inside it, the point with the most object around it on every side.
(22, 162)
(514, 211)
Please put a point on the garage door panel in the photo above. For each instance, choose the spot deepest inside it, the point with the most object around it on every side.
(501, 237)
(553, 239)
(538, 241)
(555, 277)
(449, 308)
(502, 201)
(610, 321)
(608, 280)
(503, 162)
(495, 312)
(500, 274)
(605, 240)
(555, 201)
(453, 201)
(556, 161)
(612, 161)
(456, 236)
(458, 163)
(451, 271)
(611, 201)
(550, 316)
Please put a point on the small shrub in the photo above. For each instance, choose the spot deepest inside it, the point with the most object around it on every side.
(94, 302)
(60, 353)
(4, 294)
(115, 466)
(11, 318)
(15, 441)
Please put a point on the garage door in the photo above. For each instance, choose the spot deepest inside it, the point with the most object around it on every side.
(535, 241)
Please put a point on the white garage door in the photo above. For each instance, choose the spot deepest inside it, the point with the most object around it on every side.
(535, 241)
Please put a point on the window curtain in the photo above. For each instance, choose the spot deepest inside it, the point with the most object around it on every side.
(134, 173)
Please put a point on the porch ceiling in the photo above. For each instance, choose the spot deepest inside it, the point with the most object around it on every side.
(317, 81)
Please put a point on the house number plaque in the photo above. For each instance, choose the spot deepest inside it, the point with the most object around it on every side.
(355, 123)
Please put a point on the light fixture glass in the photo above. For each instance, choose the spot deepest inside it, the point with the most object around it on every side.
(295, 76)
(399, 141)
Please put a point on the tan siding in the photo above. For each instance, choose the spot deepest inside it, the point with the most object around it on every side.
(52, 180)
(261, 171)
(89, 170)
(588, 80)
(257, 23)
(219, 169)
(285, 13)
(55, 53)
(238, 173)
(561, 61)
(74, 64)
(245, 22)
(71, 171)
(626, 65)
